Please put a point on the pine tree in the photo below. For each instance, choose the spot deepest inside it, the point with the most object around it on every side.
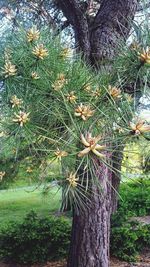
(55, 106)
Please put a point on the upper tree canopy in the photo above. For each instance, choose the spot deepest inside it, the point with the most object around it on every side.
(55, 106)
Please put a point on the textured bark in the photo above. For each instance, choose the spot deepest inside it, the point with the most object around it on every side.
(90, 229)
(99, 39)
(111, 24)
(117, 157)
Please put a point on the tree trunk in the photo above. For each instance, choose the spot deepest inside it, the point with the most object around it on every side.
(111, 24)
(98, 41)
(90, 229)
(117, 157)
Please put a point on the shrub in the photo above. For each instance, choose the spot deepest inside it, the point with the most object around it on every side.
(136, 197)
(143, 234)
(35, 239)
(128, 238)
(123, 242)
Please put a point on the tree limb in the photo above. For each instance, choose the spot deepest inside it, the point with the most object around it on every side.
(74, 13)
(41, 11)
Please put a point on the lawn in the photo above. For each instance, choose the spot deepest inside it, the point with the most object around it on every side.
(15, 203)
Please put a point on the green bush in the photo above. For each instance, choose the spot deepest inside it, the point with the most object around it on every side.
(128, 238)
(136, 197)
(123, 242)
(143, 234)
(35, 240)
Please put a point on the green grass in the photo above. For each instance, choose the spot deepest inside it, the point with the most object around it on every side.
(15, 203)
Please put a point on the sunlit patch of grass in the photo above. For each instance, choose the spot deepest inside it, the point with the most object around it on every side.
(15, 203)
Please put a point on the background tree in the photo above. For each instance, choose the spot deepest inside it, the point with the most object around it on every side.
(96, 36)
